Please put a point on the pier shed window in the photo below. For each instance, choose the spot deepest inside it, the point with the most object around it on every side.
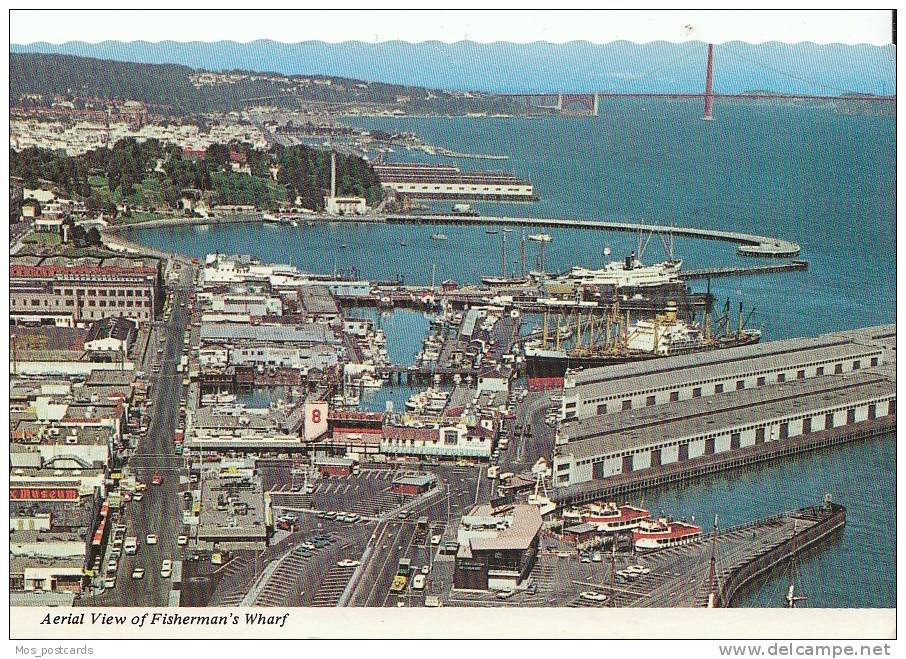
(759, 435)
(819, 371)
(781, 377)
(627, 404)
(740, 385)
(719, 388)
(829, 421)
(602, 408)
(872, 411)
(800, 374)
(851, 415)
(874, 361)
(784, 430)
(674, 396)
(734, 441)
(838, 369)
(857, 365)
(649, 402)
(697, 392)
(760, 381)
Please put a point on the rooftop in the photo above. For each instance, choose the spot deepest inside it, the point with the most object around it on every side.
(522, 524)
(633, 429)
(795, 353)
(786, 349)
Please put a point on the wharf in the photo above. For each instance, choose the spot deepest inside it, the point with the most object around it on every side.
(678, 472)
(714, 273)
(748, 244)
(681, 576)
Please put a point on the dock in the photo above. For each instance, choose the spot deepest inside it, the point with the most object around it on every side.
(748, 244)
(681, 576)
(715, 273)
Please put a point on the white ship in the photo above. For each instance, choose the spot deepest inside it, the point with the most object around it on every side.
(629, 273)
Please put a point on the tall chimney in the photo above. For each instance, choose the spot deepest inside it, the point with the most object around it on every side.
(333, 174)
(709, 85)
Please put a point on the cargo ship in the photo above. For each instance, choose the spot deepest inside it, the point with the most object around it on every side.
(664, 336)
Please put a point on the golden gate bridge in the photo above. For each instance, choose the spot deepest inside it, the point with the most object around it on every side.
(588, 103)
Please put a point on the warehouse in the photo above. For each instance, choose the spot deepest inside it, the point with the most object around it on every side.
(633, 440)
(642, 384)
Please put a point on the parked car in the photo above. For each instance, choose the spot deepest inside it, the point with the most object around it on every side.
(138, 573)
(347, 562)
(151, 539)
(166, 569)
(593, 596)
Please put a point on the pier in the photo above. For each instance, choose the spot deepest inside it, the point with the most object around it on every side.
(749, 244)
(714, 273)
(682, 576)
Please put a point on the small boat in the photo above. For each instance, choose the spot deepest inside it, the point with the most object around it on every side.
(491, 232)
(508, 230)
(540, 237)
(402, 243)
(344, 246)
(438, 236)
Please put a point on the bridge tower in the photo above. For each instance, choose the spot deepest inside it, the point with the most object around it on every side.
(709, 85)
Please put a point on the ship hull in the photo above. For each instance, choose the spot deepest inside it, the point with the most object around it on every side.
(547, 371)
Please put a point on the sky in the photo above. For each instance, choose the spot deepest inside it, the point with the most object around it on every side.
(819, 26)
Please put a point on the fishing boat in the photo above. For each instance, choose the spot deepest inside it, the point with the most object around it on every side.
(491, 232)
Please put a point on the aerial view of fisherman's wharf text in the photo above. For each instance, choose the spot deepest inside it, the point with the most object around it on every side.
(449, 325)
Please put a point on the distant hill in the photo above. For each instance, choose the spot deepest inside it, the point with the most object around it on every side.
(533, 67)
(179, 89)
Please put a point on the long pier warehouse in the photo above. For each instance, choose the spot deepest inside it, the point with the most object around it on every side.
(597, 391)
(635, 448)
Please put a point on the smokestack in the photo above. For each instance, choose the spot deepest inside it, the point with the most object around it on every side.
(333, 174)
(709, 85)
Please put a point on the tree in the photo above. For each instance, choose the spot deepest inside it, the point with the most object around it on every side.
(93, 236)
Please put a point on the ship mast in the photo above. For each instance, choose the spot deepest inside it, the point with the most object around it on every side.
(791, 597)
(712, 571)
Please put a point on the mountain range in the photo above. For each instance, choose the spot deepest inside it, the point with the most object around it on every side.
(578, 66)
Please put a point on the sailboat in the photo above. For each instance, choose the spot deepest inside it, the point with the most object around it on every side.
(791, 597)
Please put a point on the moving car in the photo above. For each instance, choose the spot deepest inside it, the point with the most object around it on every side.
(151, 539)
(157, 479)
(131, 545)
(418, 583)
(182, 540)
(166, 569)
(138, 573)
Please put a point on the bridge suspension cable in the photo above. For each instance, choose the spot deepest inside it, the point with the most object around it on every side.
(791, 76)
(657, 69)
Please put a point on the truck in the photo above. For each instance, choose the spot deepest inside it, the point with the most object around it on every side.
(398, 585)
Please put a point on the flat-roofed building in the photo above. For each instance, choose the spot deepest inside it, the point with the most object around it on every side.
(232, 511)
(632, 440)
(497, 546)
(637, 385)
(75, 292)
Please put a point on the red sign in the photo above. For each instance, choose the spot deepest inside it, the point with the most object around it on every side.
(43, 494)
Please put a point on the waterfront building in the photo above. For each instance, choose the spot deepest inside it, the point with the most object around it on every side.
(628, 441)
(447, 182)
(498, 546)
(598, 391)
